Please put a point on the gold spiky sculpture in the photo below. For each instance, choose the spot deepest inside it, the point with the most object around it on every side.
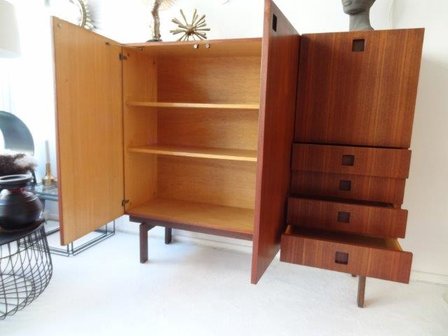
(193, 30)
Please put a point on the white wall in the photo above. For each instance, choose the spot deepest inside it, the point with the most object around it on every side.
(128, 21)
(30, 76)
(426, 195)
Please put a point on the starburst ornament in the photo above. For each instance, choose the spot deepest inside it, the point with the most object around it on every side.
(85, 19)
(194, 30)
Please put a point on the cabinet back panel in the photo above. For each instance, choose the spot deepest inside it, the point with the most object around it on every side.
(209, 80)
(207, 181)
(210, 128)
(140, 127)
(358, 97)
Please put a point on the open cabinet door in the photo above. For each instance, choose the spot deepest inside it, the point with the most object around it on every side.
(89, 129)
(280, 48)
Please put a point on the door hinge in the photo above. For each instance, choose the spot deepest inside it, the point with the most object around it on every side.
(122, 57)
(124, 202)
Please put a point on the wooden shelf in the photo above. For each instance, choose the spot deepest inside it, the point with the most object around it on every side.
(199, 152)
(201, 217)
(194, 105)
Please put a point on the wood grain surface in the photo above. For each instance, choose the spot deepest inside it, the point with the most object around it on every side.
(89, 129)
(277, 109)
(371, 257)
(377, 221)
(349, 187)
(358, 98)
(371, 161)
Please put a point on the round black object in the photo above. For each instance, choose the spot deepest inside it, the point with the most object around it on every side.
(19, 208)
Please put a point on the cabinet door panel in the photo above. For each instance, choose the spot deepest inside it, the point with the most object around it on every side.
(358, 95)
(89, 129)
(280, 48)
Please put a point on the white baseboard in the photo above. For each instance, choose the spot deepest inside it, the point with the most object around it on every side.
(441, 279)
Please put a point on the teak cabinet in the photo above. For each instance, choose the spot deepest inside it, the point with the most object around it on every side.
(188, 135)
(302, 135)
(350, 159)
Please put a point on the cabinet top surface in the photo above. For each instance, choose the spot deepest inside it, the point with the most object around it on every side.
(362, 33)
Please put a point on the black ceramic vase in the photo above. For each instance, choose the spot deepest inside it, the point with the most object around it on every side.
(19, 208)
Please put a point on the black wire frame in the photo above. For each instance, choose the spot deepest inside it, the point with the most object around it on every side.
(25, 271)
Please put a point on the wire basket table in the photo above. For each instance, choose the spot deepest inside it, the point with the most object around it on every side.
(25, 268)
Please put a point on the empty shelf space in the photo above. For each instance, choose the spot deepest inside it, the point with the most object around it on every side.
(199, 152)
(201, 217)
(194, 105)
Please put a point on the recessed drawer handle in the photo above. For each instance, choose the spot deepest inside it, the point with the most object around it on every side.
(348, 160)
(345, 185)
(358, 45)
(341, 258)
(343, 217)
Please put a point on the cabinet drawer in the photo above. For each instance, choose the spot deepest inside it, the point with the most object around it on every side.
(344, 217)
(351, 187)
(352, 160)
(371, 257)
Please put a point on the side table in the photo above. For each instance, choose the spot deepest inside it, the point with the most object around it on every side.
(25, 268)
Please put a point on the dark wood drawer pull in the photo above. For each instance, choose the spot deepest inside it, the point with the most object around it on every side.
(343, 217)
(345, 185)
(348, 160)
(358, 45)
(341, 258)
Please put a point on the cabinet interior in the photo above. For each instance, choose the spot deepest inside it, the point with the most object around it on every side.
(190, 132)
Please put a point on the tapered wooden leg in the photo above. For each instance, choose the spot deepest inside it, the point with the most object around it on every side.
(361, 290)
(168, 235)
(144, 228)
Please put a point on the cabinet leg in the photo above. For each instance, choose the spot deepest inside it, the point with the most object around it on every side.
(144, 228)
(361, 290)
(168, 235)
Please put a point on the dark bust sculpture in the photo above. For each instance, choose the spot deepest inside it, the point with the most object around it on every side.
(359, 11)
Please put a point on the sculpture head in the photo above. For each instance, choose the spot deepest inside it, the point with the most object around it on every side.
(353, 7)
